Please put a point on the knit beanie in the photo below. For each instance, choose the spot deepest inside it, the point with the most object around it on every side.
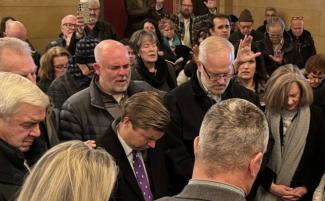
(84, 53)
(246, 16)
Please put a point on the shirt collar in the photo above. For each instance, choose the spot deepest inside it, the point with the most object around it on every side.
(218, 184)
(127, 149)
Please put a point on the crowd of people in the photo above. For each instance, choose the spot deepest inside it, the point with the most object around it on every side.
(185, 108)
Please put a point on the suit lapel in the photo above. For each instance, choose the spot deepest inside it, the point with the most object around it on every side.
(114, 147)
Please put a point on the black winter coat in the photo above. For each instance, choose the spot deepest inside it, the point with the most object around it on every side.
(290, 55)
(304, 45)
(188, 104)
(12, 171)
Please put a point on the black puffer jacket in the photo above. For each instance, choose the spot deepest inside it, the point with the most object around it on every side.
(83, 115)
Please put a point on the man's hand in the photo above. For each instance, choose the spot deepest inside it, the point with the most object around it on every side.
(90, 143)
(80, 26)
(277, 58)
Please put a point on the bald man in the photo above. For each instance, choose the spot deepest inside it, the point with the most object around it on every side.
(16, 29)
(302, 39)
(67, 27)
(87, 114)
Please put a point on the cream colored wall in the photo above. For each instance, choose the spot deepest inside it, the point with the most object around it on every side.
(312, 10)
(41, 17)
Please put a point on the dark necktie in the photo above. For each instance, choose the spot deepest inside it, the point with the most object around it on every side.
(141, 176)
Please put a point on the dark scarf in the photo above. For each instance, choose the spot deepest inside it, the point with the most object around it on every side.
(162, 74)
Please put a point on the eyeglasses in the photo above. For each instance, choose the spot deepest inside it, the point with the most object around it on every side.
(61, 66)
(93, 9)
(69, 25)
(297, 18)
(217, 76)
(271, 35)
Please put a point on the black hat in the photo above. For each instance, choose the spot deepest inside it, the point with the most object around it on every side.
(246, 16)
(85, 50)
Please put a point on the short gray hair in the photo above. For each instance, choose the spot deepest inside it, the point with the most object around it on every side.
(214, 44)
(15, 90)
(278, 86)
(15, 45)
(231, 132)
(275, 21)
(137, 38)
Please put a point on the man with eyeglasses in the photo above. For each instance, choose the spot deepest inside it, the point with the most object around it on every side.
(302, 39)
(184, 21)
(211, 83)
(277, 47)
(87, 114)
(67, 27)
(245, 27)
(96, 27)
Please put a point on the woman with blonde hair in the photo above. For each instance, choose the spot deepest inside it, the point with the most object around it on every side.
(71, 171)
(53, 64)
(297, 159)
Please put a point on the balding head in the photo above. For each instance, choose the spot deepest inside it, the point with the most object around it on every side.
(112, 66)
(68, 25)
(16, 29)
(109, 48)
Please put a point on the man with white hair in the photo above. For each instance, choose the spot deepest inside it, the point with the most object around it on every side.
(228, 153)
(23, 106)
(211, 83)
(67, 27)
(16, 57)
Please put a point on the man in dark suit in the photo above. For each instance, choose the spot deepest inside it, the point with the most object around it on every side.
(132, 141)
(228, 153)
(211, 83)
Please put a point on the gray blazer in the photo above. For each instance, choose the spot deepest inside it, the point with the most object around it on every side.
(202, 192)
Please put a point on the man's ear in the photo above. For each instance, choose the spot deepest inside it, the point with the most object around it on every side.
(196, 145)
(255, 164)
(125, 120)
(96, 67)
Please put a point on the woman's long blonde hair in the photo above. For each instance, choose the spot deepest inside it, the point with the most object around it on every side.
(71, 172)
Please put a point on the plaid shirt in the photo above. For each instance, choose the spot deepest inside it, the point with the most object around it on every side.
(202, 22)
(180, 30)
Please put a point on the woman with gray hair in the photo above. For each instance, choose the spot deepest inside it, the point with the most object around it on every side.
(150, 67)
(297, 160)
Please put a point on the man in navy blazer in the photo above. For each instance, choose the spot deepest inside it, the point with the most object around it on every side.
(136, 135)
